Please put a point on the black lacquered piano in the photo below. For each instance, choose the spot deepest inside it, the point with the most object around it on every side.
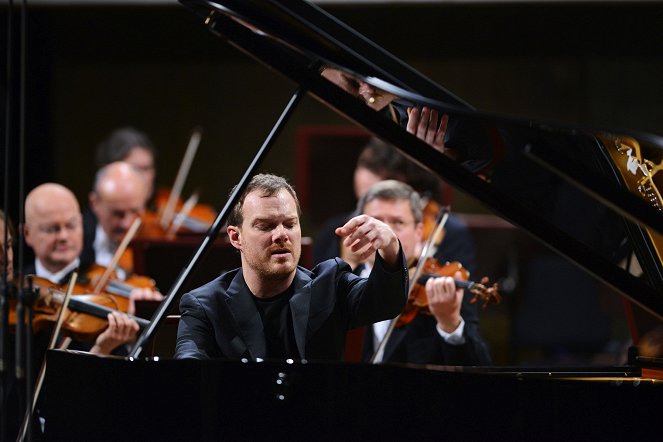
(589, 194)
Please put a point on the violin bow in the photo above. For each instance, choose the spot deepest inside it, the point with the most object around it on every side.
(117, 255)
(429, 249)
(189, 204)
(169, 210)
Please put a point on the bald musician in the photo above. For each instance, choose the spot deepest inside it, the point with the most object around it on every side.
(54, 231)
(117, 199)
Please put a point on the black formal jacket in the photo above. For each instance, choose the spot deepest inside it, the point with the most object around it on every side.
(221, 320)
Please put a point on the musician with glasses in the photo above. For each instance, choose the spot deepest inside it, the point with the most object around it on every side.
(54, 231)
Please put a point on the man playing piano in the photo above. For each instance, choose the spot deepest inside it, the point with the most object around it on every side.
(270, 308)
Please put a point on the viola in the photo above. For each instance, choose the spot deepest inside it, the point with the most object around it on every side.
(86, 315)
(418, 301)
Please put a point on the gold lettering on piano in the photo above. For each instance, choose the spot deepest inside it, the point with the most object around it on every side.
(642, 169)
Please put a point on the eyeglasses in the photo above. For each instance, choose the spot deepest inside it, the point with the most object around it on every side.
(54, 229)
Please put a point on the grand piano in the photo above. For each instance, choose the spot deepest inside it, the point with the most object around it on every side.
(589, 194)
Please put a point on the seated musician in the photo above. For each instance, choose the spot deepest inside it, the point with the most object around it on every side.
(131, 146)
(270, 308)
(54, 231)
(450, 335)
(377, 161)
(117, 200)
(381, 161)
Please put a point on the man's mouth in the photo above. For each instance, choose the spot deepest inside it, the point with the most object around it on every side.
(280, 253)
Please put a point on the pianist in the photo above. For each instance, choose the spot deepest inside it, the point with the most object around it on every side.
(270, 308)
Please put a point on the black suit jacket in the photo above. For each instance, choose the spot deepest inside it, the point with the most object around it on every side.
(220, 319)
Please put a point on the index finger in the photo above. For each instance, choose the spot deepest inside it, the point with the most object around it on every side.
(351, 225)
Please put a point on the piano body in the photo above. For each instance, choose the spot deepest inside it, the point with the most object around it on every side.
(589, 194)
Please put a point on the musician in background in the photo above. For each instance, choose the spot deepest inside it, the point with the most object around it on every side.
(131, 146)
(450, 334)
(380, 161)
(272, 308)
(376, 162)
(118, 198)
(54, 231)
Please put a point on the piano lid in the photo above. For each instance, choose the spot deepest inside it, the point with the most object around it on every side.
(588, 193)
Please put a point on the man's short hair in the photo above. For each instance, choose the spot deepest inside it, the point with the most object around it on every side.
(120, 143)
(392, 190)
(269, 185)
(383, 160)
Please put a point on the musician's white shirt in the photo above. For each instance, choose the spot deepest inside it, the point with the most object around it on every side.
(104, 249)
(56, 277)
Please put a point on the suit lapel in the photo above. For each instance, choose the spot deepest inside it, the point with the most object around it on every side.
(300, 307)
(247, 319)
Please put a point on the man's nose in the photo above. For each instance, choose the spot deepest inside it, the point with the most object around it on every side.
(280, 234)
(127, 219)
(63, 233)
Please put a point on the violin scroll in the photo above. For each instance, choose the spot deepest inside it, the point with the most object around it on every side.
(482, 291)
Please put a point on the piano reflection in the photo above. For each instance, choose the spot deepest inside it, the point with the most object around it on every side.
(523, 170)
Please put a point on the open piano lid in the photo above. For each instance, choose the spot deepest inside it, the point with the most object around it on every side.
(590, 194)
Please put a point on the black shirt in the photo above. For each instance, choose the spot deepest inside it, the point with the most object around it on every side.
(277, 323)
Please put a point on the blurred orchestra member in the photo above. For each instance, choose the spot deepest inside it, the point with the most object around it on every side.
(131, 146)
(54, 231)
(116, 201)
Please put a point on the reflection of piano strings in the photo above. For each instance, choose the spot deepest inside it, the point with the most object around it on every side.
(645, 185)
(638, 175)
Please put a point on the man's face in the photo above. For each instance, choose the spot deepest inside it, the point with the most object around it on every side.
(270, 235)
(55, 233)
(143, 161)
(116, 211)
(363, 180)
(398, 215)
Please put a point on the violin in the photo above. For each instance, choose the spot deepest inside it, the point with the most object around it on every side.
(112, 285)
(171, 215)
(418, 301)
(171, 212)
(86, 314)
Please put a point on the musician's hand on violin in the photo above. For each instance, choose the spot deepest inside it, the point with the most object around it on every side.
(121, 330)
(142, 294)
(444, 301)
(427, 125)
(365, 235)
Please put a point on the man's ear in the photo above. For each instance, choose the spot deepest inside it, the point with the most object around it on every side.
(27, 234)
(235, 236)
